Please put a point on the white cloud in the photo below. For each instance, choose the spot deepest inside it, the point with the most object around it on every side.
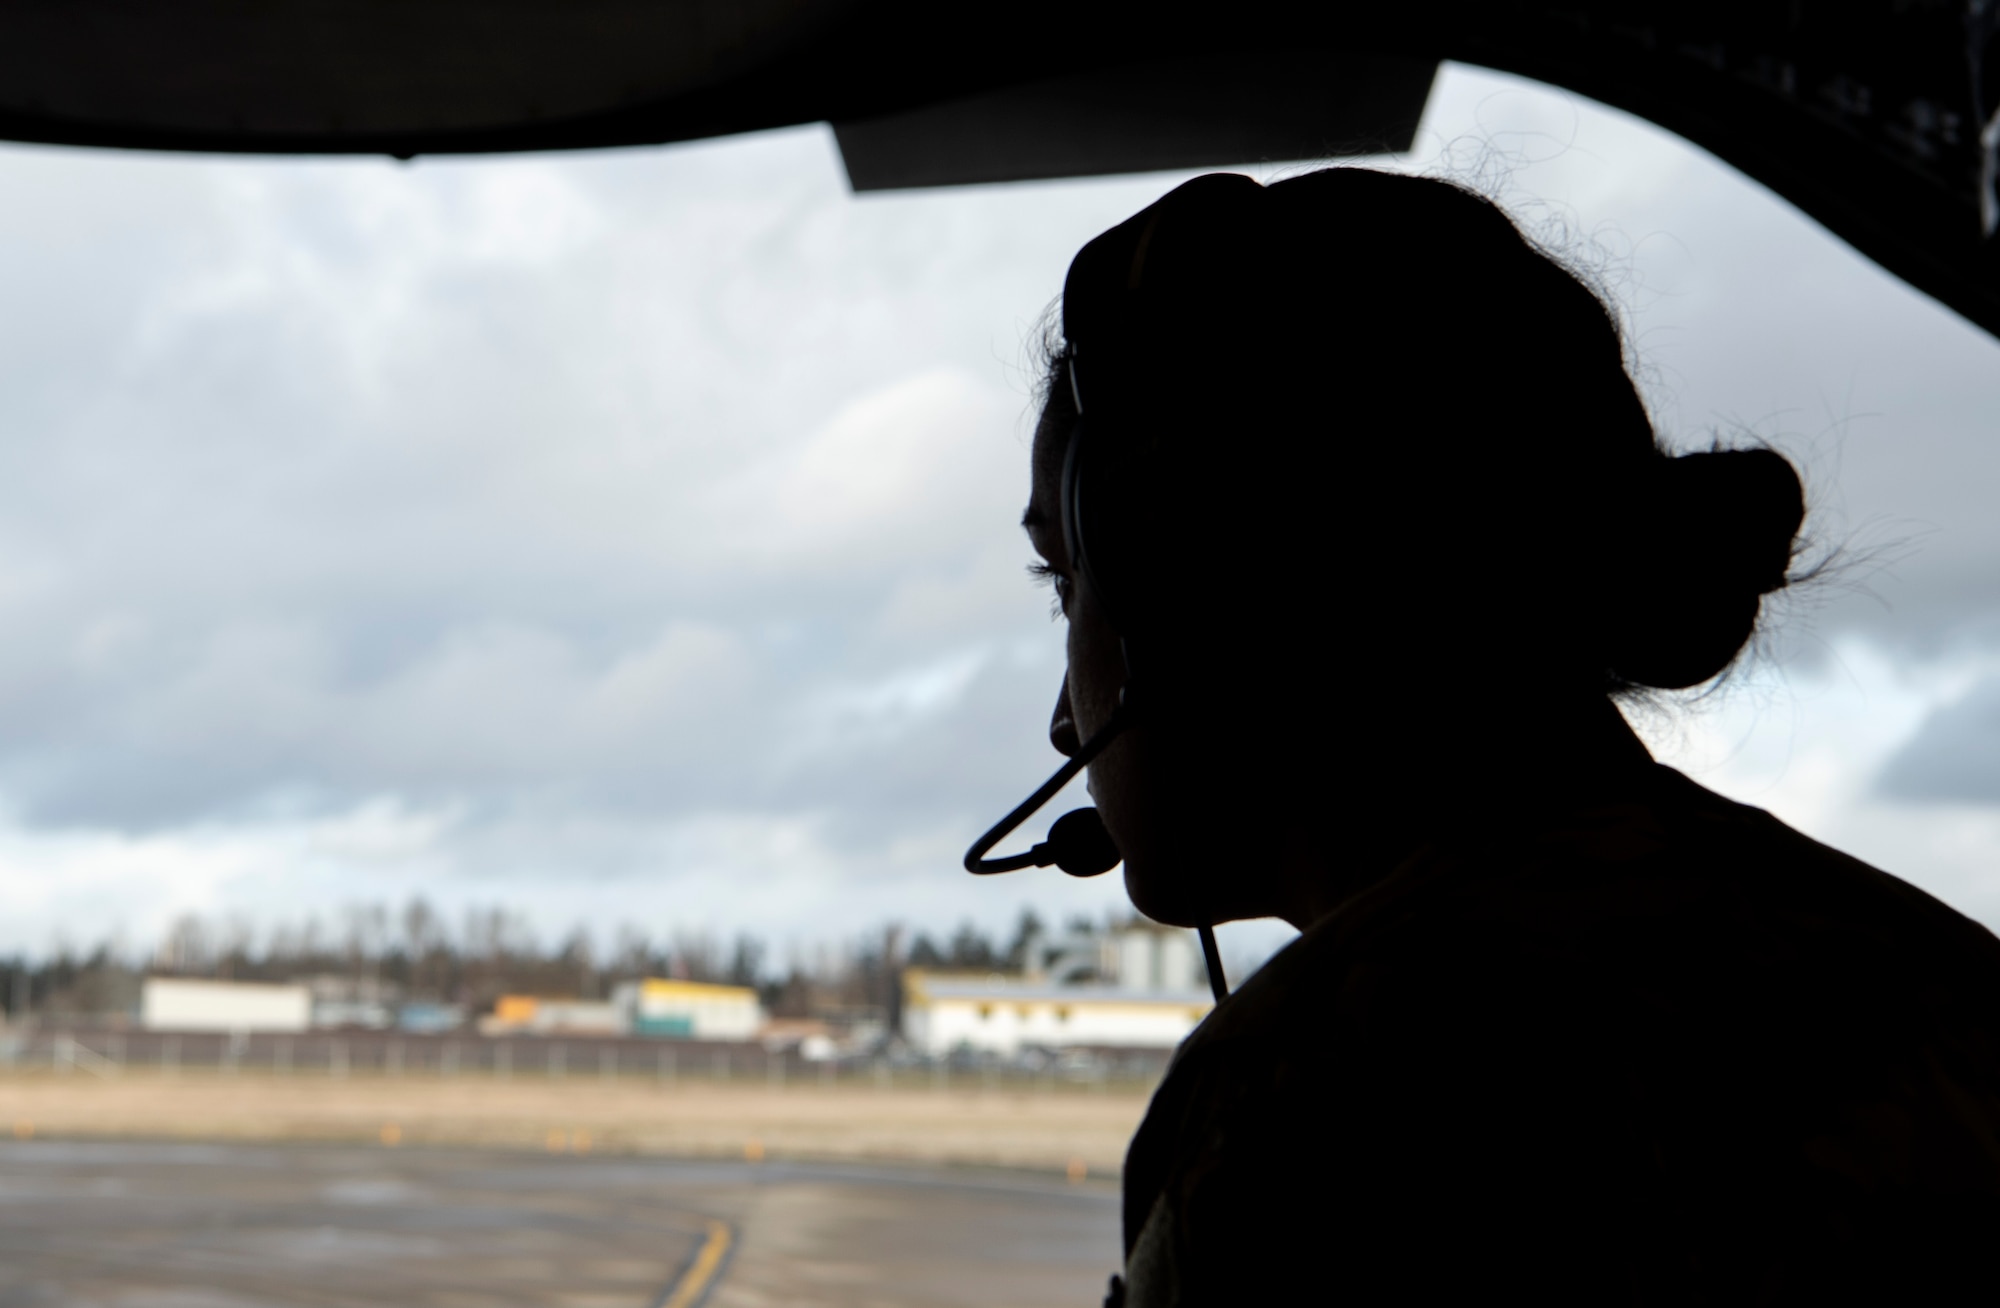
(920, 468)
(632, 534)
(1811, 745)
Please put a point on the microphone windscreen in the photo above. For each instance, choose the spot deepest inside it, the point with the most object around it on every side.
(1081, 845)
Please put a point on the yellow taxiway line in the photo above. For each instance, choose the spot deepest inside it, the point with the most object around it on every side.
(702, 1272)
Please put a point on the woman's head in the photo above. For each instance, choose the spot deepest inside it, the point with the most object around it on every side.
(1356, 454)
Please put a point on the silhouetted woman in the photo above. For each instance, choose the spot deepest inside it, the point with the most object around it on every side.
(1375, 530)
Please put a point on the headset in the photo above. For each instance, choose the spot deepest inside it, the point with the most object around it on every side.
(1078, 842)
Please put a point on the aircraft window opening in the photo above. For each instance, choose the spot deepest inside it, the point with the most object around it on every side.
(642, 480)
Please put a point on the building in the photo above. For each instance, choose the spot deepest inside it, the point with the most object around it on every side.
(1001, 1014)
(350, 1015)
(1138, 985)
(1148, 956)
(177, 1004)
(532, 1015)
(429, 1017)
(352, 1003)
(1135, 955)
(689, 1010)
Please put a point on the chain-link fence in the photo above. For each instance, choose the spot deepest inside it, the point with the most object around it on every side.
(609, 1059)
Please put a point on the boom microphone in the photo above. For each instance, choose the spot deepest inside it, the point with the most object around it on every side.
(1077, 842)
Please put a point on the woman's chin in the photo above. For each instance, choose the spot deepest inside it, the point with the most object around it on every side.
(1169, 895)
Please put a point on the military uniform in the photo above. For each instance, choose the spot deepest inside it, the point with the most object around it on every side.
(1656, 1049)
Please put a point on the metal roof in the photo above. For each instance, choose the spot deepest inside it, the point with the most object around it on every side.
(926, 987)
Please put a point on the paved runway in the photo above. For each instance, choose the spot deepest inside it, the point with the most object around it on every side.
(236, 1226)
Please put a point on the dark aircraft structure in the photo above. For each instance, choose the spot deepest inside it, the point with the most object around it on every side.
(1879, 118)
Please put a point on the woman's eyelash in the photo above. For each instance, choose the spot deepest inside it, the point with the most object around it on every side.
(1045, 575)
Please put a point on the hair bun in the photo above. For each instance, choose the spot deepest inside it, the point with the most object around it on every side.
(1720, 536)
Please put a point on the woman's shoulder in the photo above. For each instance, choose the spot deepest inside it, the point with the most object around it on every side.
(1668, 871)
(1673, 893)
(1677, 973)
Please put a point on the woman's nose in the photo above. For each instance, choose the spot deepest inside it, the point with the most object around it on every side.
(1062, 726)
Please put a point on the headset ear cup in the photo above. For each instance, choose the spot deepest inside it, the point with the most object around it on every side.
(1089, 534)
(1072, 497)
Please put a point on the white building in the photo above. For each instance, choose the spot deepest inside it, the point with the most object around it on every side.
(1002, 1014)
(1139, 985)
(176, 1004)
(1138, 955)
(691, 1010)
(1148, 956)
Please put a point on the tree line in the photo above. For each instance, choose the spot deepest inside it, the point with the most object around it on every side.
(375, 953)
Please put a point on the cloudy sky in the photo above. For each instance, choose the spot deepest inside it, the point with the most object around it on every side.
(629, 537)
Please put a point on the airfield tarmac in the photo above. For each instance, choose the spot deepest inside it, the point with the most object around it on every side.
(122, 1224)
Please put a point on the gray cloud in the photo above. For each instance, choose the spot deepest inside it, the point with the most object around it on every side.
(1954, 757)
(645, 518)
(471, 483)
(640, 520)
